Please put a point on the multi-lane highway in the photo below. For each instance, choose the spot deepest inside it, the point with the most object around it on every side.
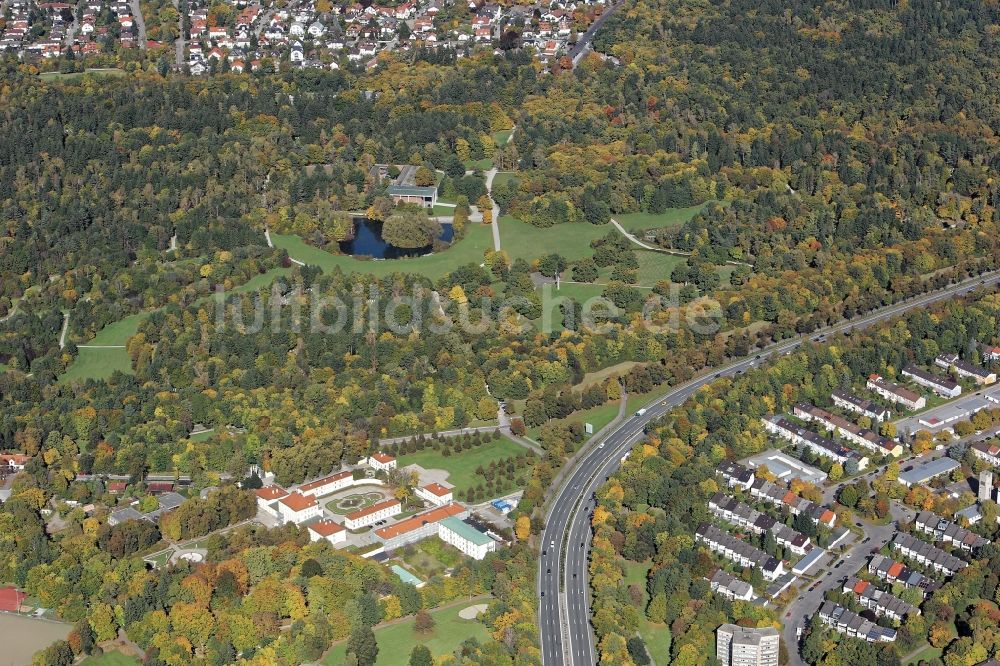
(564, 605)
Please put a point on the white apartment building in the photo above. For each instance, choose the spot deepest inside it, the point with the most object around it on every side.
(744, 646)
(328, 484)
(895, 393)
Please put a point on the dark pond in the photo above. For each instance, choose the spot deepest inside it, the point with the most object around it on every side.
(368, 241)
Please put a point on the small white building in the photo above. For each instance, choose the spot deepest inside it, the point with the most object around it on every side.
(298, 508)
(381, 461)
(466, 538)
(371, 515)
(435, 493)
(327, 529)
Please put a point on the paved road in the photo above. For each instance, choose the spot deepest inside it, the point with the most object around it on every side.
(564, 608)
(179, 42)
(139, 22)
(496, 209)
(583, 43)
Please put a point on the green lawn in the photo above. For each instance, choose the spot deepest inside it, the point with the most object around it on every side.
(479, 165)
(203, 436)
(503, 177)
(58, 76)
(656, 636)
(502, 137)
(670, 218)
(478, 239)
(599, 417)
(599, 376)
(461, 467)
(110, 659)
(928, 653)
(396, 641)
(97, 364)
(161, 559)
(117, 333)
(443, 211)
(572, 241)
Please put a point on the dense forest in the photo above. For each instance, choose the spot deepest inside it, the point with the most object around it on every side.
(842, 157)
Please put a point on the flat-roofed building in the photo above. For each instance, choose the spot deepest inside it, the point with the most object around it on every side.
(745, 646)
(924, 472)
(895, 393)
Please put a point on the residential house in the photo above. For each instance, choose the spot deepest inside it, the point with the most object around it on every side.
(736, 474)
(988, 452)
(737, 513)
(895, 393)
(948, 532)
(823, 446)
(738, 551)
(943, 386)
(852, 403)
(978, 374)
(851, 624)
(879, 602)
(848, 430)
(731, 587)
(927, 554)
(894, 572)
(381, 461)
(435, 493)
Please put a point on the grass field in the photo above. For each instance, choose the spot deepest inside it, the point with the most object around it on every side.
(502, 137)
(929, 652)
(599, 376)
(97, 364)
(503, 177)
(110, 659)
(461, 467)
(59, 76)
(119, 332)
(656, 636)
(358, 501)
(396, 641)
(478, 239)
(598, 417)
(670, 218)
(572, 241)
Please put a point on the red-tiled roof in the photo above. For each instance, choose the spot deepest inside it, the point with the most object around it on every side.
(437, 489)
(325, 480)
(298, 502)
(419, 520)
(860, 586)
(270, 493)
(374, 508)
(383, 457)
(895, 570)
(326, 527)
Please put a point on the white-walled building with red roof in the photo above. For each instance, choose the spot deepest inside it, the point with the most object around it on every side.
(381, 461)
(298, 508)
(372, 514)
(435, 493)
(327, 529)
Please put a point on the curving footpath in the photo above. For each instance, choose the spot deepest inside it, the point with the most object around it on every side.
(564, 602)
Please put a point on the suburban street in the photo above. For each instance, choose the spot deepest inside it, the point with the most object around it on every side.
(140, 23)
(583, 43)
(564, 608)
